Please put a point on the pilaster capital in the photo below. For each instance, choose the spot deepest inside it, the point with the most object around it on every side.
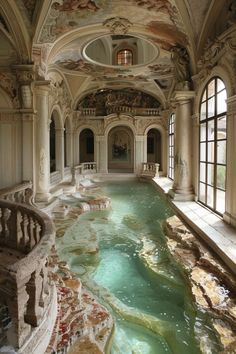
(181, 96)
(42, 87)
(25, 74)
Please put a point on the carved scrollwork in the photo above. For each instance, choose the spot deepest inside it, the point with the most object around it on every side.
(117, 25)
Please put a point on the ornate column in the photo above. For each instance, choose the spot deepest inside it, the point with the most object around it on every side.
(69, 147)
(101, 149)
(60, 151)
(42, 89)
(230, 206)
(140, 152)
(182, 187)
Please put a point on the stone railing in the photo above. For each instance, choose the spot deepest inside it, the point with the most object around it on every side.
(20, 193)
(150, 169)
(88, 167)
(26, 238)
(91, 112)
(76, 172)
(87, 112)
(134, 110)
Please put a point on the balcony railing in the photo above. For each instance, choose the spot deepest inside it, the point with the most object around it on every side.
(150, 169)
(20, 193)
(26, 238)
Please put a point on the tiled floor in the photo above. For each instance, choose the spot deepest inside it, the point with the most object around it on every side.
(220, 236)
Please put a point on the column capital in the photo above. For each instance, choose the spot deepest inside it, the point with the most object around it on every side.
(184, 95)
(25, 73)
(42, 86)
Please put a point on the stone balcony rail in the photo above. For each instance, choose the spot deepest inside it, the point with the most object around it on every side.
(150, 169)
(20, 193)
(137, 111)
(89, 167)
(26, 238)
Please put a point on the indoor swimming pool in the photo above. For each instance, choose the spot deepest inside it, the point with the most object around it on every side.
(121, 256)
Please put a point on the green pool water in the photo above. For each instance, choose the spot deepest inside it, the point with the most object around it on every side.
(154, 312)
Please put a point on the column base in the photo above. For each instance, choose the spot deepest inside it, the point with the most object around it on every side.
(181, 196)
(43, 197)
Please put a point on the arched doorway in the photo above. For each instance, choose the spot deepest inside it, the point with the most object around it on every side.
(121, 150)
(86, 146)
(52, 145)
(154, 147)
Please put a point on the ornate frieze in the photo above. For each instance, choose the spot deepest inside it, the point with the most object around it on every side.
(117, 25)
(59, 95)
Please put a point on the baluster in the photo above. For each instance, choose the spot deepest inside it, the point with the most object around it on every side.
(31, 233)
(34, 287)
(19, 234)
(24, 228)
(16, 302)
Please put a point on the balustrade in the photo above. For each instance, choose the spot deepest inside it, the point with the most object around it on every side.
(26, 238)
(89, 167)
(20, 193)
(150, 169)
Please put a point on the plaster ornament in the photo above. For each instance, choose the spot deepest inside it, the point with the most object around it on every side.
(180, 59)
(117, 25)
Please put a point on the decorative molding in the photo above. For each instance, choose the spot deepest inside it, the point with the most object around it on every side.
(117, 25)
(59, 95)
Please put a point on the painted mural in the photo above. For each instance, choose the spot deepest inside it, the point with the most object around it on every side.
(109, 101)
(120, 146)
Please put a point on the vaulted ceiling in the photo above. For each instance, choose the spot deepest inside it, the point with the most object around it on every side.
(53, 35)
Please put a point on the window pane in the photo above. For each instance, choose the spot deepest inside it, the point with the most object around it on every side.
(202, 172)
(220, 201)
(210, 196)
(210, 152)
(211, 129)
(211, 107)
(220, 176)
(211, 88)
(203, 131)
(203, 111)
(220, 85)
(204, 96)
(221, 128)
(221, 102)
(202, 192)
(221, 151)
(203, 152)
(210, 174)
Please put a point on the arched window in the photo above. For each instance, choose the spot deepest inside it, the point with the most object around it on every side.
(171, 146)
(212, 151)
(125, 57)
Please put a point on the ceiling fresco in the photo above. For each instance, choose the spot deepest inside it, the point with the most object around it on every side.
(67, 15)
(106, 101)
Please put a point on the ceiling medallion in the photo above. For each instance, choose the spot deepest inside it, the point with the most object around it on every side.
(117, 25)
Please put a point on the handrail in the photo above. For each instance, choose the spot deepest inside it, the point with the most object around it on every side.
(26, 238)
(19, 193)
(150, 169)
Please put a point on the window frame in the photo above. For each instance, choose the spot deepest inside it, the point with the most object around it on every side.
(171, 146)
(211, 169)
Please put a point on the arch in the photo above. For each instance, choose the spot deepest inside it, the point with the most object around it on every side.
(86, 145)
(56, 146)
(212, 145)
(154, 146)
(120, 144)
(224, 75)
(163, 157)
